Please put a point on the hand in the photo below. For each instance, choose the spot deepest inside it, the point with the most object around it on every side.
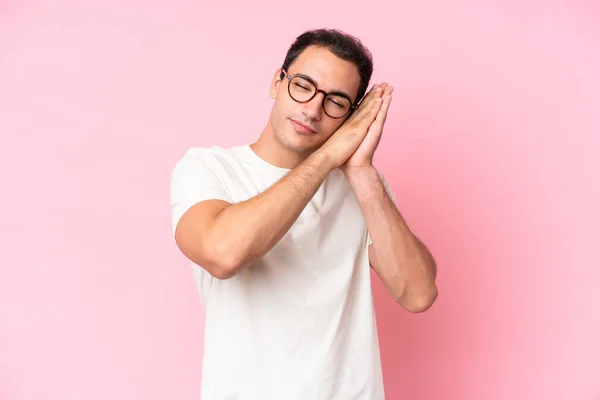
(348, 137)
(363, 156)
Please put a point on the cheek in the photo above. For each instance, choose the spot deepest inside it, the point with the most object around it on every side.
(283, 103)
(282, 110)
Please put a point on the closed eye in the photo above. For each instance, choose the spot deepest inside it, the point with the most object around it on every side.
(301, 86)
(337, 103)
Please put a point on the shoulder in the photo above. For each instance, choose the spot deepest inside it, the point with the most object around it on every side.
(205, 158)
(202, 154)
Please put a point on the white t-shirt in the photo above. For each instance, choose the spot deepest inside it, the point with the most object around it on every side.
(299, 324)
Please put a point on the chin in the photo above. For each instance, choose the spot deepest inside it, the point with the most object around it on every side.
(295, 141)
(298, 143)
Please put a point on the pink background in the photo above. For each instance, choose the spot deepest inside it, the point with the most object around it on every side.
(491, 146)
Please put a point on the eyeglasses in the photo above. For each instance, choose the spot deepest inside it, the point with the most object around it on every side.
(302, 90)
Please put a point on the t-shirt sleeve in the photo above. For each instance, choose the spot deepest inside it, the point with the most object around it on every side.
(194, 179)
(390, 193)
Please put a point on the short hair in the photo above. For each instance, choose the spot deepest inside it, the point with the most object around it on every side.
(343, 45)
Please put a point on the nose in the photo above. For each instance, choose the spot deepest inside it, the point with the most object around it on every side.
(313, 109)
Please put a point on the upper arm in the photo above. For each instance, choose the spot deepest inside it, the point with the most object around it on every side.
(198, 195)
(193, 236)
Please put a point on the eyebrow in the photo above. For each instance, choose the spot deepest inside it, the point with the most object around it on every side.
(335, 92)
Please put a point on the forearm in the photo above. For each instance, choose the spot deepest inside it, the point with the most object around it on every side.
(251, 228)
(398, 256)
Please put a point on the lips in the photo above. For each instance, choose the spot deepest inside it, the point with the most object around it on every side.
(303, 128)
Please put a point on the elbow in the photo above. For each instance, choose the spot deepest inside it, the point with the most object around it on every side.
(224, 262)
(221, 271)
(418, 302)
(221, 257)
(224, 266)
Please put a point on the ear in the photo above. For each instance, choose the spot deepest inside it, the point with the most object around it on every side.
(274, 88)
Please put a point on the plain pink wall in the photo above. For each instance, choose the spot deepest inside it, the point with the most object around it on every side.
(491, 147)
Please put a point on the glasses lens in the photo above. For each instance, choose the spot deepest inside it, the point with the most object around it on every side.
(301, 89)
(336, 106)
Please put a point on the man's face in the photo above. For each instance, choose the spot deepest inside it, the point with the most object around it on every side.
(330, 73)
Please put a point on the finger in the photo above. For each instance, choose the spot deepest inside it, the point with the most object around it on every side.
(386, 98)
(379, 120)
(384, 86)
(365, 108)
(378, 92)
(365, 101)
(366, 116)
(375, 89)
(385, 105)
(371, 113)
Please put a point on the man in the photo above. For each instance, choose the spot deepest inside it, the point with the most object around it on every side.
(281, 234)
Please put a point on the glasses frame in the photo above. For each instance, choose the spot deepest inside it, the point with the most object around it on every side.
(317, 90)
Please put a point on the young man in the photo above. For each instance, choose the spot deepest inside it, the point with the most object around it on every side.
(282, 234)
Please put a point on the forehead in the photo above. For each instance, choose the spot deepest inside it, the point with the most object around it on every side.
(328, 70)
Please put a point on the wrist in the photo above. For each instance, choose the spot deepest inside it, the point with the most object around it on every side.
(322, 161)
(366, 184)
(365, 181)
(355, 174)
